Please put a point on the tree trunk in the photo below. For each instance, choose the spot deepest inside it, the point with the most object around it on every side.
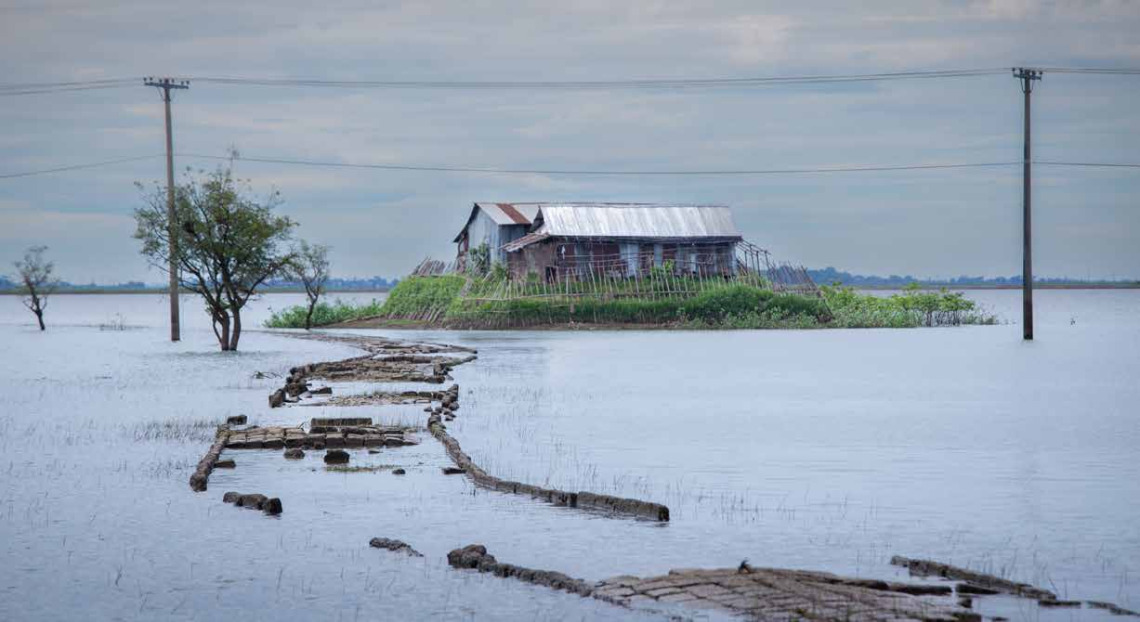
(309, 315)
(40, 317)
(237, 329)
(221, 318)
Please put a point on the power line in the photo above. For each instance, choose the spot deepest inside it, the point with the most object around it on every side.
(1122, 71)
(51, 87)
(511, 171)
(599, 84)
(1088, 164)
(31, 88)
(514, 171)
(45, 85)
(76, 167)
(11, 93)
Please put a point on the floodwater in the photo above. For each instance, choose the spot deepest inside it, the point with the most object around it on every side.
(826, 450)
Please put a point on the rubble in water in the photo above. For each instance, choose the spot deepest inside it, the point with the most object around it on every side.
(756, 593)
(394, 545)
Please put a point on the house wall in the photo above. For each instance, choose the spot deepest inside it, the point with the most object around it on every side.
(536, 258)
(559, 257)
(507, 233)
(484, 230)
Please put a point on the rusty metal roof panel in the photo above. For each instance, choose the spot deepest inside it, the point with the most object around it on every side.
(524, 241)
(510, 213)
(637, 220)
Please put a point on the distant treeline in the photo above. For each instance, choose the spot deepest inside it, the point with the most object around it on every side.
(829, 275)
(373, 284)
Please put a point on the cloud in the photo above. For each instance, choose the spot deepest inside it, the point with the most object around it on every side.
(380, 222)
(14, 204)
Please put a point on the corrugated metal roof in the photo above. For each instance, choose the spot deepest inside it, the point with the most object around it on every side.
(524, 241)
(502, 214)
(510, 213)
(636, 220)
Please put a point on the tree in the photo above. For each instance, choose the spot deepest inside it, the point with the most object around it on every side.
(481, 259)
(37, 282)
(310, 267)
(228, 244)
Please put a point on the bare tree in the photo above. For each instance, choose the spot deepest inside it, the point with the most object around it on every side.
(35, 274)
(310, 267)
(228, 244)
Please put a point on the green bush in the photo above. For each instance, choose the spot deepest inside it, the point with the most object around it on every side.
(736, 304)
(422, 296)
(480, 259)
(323, 314)
(792, 305)
(913, 307)
(713, 305)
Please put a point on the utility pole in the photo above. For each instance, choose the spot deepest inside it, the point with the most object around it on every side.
(166, 84)
(1027, 76)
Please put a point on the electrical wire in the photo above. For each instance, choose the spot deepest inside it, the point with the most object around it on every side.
(1123, 71)
(665, 83)
(1088, 164)
(514, 171)
(49, 87)
(582, 172)
(33, 88)
(76, 167)
(44, 85)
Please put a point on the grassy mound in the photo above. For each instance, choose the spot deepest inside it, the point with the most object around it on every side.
(450, 301)
(324, 314)
(422, 297)
(912, 307)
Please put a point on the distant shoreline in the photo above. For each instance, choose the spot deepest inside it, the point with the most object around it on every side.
(931, 286)
(126, 290)
(1036, 286)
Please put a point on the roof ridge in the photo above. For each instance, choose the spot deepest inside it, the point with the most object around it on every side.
(600, 204)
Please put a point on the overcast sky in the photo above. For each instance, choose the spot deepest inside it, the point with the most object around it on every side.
(928, 223)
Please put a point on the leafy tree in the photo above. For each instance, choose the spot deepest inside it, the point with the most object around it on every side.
(481, 259)
(310, 267)
(228, 243)
(36, 281)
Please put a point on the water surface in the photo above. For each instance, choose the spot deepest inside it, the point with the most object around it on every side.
(827, 449)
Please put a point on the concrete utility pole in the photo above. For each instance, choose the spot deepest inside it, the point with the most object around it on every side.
(172, 227)
(1027, 76)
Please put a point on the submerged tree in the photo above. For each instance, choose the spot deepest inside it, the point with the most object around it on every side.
(37, 282)
(228, 244)
(310, 267)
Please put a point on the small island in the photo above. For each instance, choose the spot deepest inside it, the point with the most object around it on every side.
(625, 265)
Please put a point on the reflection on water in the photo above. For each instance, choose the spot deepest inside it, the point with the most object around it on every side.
(827, 450)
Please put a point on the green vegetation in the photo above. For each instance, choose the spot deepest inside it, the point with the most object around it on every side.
(660, 299)
(913, 307)
(665, 300)
(481, 259)
(323, 314)
(227, 243)
(424, 297)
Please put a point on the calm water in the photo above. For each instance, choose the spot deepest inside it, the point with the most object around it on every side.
(828, 450)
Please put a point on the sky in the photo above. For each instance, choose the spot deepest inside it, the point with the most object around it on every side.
(932, 223)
